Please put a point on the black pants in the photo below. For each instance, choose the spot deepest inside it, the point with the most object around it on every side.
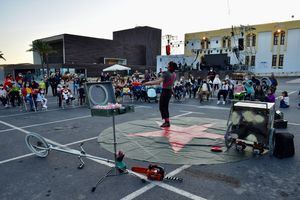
(15, 96)
(164, 103)
(224, 93)
(3, 100)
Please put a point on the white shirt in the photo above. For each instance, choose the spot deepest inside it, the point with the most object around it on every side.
(3, 93)
(224, 87)
(286, 100)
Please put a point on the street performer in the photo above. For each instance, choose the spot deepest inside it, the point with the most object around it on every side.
(167, 79)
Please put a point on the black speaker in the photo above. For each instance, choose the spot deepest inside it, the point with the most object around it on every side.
(284, 145)
(241, 44)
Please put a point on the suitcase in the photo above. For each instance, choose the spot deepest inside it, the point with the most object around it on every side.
(278, 115)
(284, 145)
(280, 123)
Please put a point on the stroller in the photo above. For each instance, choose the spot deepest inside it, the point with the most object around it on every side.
(139, 93)
(151, 94)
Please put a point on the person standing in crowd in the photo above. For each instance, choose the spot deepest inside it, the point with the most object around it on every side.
(211, 74)
(168, 78)
(274, 83)
(46, 81)
(28, 77)
(147, 76)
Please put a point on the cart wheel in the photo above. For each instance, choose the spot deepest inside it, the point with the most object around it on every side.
(240, 146)
(258, 149)
(271, 140)
(37, 144)
(229, 140)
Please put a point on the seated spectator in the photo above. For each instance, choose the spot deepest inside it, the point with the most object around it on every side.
(67, 94)
(41, 98)
(27, 96)
(239, 91)
(3, 96)
(270, 96)
(223, 91)
(205, 90)
(216, 83)
(14, 94)
(259, 94)
(284, 100)
(179, 91)
(248, 85)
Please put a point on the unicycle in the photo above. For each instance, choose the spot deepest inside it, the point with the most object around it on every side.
(37, 145)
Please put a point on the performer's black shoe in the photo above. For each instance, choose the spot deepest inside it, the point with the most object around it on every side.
(165, 124)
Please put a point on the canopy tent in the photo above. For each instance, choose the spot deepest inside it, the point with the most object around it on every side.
(116, 67)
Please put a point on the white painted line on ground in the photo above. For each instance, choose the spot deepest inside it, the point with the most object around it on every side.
(46, 123)
(180, 191)
(207, 107)
(178, 170)
(184, 114)
(31, 154)
(293, 81)
(27, 113)
(16, 158)
(165, 186)
(141, 191)
(200, 113)
(295, 124)
(143, 106)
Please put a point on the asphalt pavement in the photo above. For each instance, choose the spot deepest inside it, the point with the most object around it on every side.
(26, 176)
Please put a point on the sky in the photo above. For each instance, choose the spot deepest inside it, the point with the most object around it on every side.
(23, 21)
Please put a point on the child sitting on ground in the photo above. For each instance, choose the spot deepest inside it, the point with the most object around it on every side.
(284, 100)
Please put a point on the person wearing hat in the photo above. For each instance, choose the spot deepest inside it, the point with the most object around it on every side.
(168, 78)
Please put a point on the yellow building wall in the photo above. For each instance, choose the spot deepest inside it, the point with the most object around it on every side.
(270, 27)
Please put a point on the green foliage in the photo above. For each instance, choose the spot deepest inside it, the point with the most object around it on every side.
(43, 49)
(1, 56)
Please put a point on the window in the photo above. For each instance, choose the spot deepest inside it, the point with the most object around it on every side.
(229, 43)
(274, 60)
(281, 60)
(282, 38)
(253, 40)
(275, 40)
(248, 40)
(252, 60)
(247, 61)
(224, 43)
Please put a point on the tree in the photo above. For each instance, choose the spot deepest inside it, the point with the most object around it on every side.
(1, 56)
(43, 49)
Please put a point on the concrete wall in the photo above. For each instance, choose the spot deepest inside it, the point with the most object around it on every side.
(263, 62)
(82, 50)
(292, 58)
(146, 36)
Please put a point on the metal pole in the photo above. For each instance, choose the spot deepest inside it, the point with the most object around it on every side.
(115, 142)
